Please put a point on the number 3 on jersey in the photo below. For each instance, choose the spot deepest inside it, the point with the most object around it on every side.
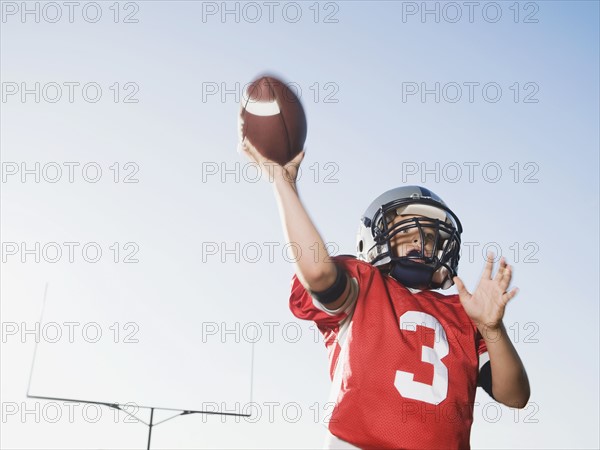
(437, 391)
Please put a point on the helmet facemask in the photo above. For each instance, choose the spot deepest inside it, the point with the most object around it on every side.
(432, 263)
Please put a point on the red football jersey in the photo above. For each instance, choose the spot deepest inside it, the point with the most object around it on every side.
(404, 365)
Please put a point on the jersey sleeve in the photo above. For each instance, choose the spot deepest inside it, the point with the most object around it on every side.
(484, 379)
(305, 307)
(482, 351)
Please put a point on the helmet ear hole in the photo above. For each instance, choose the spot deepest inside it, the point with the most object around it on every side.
(360, 245)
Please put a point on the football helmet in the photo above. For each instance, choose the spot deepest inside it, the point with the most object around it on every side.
(438, 237)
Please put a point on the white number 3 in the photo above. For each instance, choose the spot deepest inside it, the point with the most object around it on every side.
(437, 391)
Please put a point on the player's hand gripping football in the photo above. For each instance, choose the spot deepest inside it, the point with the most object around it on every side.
(485, 306)
(272, 171)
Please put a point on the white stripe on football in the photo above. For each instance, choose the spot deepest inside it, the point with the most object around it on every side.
(260, 108)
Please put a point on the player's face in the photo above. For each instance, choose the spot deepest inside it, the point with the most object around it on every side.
(408, 242)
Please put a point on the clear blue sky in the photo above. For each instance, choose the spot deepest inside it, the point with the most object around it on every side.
(496, 114)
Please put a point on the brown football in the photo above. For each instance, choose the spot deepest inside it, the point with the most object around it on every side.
(273, 120)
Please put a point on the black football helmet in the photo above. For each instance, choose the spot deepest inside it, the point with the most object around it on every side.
(439, 226)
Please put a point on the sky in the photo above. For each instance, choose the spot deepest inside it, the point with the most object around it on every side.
(160, 253)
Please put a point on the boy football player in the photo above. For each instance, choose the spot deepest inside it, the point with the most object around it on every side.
(405, 360)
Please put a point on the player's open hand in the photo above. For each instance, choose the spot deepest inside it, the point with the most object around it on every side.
(485, 307)
(271, 170)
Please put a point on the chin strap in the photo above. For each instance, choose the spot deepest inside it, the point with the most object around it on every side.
(412, 274)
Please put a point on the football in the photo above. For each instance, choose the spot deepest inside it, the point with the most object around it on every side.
(273, 119)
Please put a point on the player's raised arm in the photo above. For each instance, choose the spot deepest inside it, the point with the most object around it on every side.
(314, 268)
(485, 307)
(272, 130)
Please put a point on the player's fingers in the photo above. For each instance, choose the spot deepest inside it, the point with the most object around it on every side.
(248, 147)
(462, 290)
(509, 295)
(505, 280)
(243, 146)
(295, 163)
(244, 150)
(489, 265)
(501, 269)
(299, 157)
(240, 148)
(253, 152)
(240, 127)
